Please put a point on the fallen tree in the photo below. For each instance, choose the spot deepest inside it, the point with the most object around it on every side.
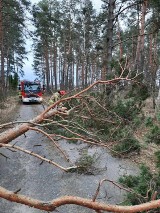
(54, 204)
(20, 129)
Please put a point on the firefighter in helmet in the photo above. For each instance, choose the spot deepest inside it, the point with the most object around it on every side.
(56, 96)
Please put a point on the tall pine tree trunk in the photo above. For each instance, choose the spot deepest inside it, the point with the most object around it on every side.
(109, 37)
(47, 69)
(55, 66)
(51, 65)
(77, 73)
(139, 58)
(2, 75)
(120, 42)
(83, 71)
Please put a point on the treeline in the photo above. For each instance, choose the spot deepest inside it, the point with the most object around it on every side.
(75, 44)
(12, 40)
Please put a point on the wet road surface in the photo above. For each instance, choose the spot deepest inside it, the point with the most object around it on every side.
(46, 182)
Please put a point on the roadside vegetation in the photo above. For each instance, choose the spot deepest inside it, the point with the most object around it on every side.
(8, 107)
(143, 188)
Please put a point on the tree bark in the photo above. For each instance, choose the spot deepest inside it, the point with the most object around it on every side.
(109, 37)
(139, 58)
(11, 134)
(2, 76)
(47, 68)
(65, 200)
(55, 66)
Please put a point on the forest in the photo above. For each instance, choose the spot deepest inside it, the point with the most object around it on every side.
(108, 62)
(75, 45)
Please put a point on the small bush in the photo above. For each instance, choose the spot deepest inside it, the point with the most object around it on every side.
(158, 116)
(85, 163)
(139, 92)
(137, 121)
(122, 132)
(154, 135)
(127, 110)
(149, 121)
(142, 186)
(127, 145)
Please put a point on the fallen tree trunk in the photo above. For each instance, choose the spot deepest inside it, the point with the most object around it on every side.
(88, 203)
(13, 133)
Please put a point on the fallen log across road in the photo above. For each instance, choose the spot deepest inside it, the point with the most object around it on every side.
(15, 132)
(88, 203)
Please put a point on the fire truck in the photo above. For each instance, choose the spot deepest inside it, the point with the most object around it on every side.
(30, 91)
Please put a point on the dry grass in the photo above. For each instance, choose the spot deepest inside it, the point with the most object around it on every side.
(8, 109)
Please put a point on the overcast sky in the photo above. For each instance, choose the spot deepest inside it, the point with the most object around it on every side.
(28, 63)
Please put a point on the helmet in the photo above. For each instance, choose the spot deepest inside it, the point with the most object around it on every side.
(62, 92)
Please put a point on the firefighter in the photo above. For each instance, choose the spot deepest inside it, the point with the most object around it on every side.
(54, 98)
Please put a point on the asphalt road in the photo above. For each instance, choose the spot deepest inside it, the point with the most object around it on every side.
(46, 182)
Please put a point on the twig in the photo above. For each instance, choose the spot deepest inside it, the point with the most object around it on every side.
(4, 156)
(18, 122)
(86, 141)
(18, 190)
(38, 156)
(117, 185)
(47, 135)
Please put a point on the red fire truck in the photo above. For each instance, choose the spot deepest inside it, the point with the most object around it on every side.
(30, 91)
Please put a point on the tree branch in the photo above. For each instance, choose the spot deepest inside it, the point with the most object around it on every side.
(52, 205)
(38, 156)
(48, 136)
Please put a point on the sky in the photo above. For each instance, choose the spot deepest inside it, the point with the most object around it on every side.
(28, 70)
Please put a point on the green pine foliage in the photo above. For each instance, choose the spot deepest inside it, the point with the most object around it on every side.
(157, 155)
(127, 145)
(13, 81)
(142, 186)
(149, 122)
(127, 109)
(140, 92)
(86, 163)
(154, 135)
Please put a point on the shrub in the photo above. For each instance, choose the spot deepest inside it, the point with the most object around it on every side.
(158, 116)
(136, 123)
(85, 163)
(139, 92)
(154, 135)
(127, 110)
(148, 121)
(127, 145)
(143, 186)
